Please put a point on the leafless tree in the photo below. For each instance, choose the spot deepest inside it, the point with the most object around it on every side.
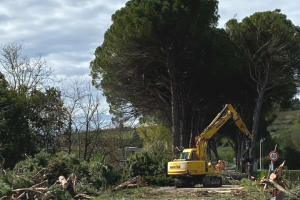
(73, 93)
(85, 117)
(91, 116)
(20, 70)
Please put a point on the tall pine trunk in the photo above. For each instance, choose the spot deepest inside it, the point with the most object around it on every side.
(256, 117)
(185, 124)
(174, 102)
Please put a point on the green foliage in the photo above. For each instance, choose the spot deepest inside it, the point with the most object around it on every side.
(53, 166)
(157, 140)
(155, 173)
(226, 153)
(140, 164)
(159, 180)
(136, 140)
(15, 134)
(290, 175)
(260, 174)
(284, 132)
(30, 122)
(102, 175)
(132, 63)
(5, 189)
(57, 192)
(46, 113)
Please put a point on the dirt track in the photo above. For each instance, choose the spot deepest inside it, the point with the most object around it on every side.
(223, 189)
(199, 192)
(224, 192)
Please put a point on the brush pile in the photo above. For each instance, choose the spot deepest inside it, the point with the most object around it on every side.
(277, 181)
(61, 176)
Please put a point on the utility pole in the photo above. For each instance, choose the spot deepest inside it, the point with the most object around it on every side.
(260, 144)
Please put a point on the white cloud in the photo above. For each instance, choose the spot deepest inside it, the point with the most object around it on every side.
(244, 8)
(67, 32)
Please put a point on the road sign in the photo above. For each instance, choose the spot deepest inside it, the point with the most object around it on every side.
(273, 156)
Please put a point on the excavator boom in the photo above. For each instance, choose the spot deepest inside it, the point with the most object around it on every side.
(227, 113)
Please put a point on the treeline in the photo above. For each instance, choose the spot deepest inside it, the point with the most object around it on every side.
(36, 117)
(168, 61)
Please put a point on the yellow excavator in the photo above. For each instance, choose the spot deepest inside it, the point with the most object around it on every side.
(193, 166)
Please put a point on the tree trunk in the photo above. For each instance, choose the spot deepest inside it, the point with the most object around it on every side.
(186, 126)
(213, 147)
(174, 102)
(70, 135)
(193, 130)
(256, 117)
(86, 141)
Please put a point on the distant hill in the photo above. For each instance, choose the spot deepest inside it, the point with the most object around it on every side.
(283, 123)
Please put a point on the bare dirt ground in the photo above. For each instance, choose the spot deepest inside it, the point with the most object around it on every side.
(226, 192)
(199, 192)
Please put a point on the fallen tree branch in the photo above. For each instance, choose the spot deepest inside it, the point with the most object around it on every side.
(124, 185)
(38, 172)
(276, 185)
(85, 196)
(39, 184)
(20, 190)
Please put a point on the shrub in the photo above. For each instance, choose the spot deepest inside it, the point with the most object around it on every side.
(5, 189)
(159, 180)
(90, 177)
(152, 172)
(58, 193)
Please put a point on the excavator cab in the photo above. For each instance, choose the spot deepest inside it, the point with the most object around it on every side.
(187, 154)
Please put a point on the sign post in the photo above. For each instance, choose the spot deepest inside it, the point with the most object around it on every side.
(273, 156)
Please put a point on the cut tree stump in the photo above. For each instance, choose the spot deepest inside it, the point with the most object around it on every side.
(63, 182)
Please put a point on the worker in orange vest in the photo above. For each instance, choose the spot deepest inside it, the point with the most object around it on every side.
(219, 167)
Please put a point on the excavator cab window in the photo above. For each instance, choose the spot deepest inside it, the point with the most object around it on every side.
(184, 156)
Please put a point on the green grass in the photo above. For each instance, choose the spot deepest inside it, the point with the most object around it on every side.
(283, 122)
(226, 153)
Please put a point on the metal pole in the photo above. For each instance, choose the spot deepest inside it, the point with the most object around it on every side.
(260, 155)
(27, 197)
(260, 151)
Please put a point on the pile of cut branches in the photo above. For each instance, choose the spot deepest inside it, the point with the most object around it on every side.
(276, 180)
(60, 176)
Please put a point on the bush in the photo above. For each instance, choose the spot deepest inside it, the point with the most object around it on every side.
(152, 172)
(159, 180)
(58, 193)
(5, 189)
(102, 175)
(90, 177)
(140, 164)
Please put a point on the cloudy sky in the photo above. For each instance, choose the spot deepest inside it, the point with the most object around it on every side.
(67, 32)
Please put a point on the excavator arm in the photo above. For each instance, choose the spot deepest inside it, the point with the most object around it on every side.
(227, 113)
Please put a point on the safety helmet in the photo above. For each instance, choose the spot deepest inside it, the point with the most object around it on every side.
(219, 161)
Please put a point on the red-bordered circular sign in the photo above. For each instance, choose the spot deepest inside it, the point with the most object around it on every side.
(273, 156)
